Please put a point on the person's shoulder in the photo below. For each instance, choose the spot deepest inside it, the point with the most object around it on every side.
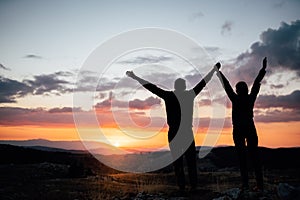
(190, 92)
(169, 92)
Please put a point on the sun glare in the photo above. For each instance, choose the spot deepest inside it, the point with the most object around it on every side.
(117, 144)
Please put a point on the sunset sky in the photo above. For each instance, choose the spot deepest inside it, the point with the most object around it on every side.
(44, 45)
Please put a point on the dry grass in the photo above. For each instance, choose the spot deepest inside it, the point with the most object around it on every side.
(18, 182)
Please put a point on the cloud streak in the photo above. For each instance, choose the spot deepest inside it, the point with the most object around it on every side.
(147, 60)
(278, 115)
(64, 110)
(3, 67)
(33, 56)
(144, 104)
(226, 27)
(11, 90)
(130, 119)
(196, 16)
(284, 101)
(138, 104)
(46, 84)
(34, 116)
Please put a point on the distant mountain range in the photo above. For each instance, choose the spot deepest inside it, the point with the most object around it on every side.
(105, 149)
(61, 146)
(92, 146)
(68, 145)
(219, 158)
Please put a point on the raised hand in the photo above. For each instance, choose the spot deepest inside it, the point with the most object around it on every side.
(218, 65)
(264, 63)
(130, 74)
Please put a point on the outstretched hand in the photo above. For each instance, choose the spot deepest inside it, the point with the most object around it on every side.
(264, 63)
(217, 66)
(130, 74)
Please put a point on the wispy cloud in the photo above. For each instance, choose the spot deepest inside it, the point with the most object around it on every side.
(291, 101)
(278, 115)
(49, 83)
(138, 104)
(17, 116)
(213, 51)
(195, 16)
(11, 89)
(3, 67)
(279, 4)
(144, 104)
(54, 83)
(147, 60)
(64, 110)
(34, 116)
(33, 56)
(211, 48)
(277, 86)
(226, 27)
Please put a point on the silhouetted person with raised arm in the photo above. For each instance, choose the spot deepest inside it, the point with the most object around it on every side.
(244, 130)
(179, 108)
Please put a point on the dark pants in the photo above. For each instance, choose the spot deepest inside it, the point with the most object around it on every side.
(241, 136)
(190, 156)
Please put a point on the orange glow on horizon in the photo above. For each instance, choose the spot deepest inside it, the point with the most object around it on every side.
(272, 135)
(67, 133)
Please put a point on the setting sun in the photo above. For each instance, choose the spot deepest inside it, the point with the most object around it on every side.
(117, 144)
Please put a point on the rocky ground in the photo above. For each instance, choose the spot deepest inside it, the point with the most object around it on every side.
(34, 175)
(283, 191)
(52, 181)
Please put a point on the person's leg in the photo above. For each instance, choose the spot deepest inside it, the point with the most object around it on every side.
(252, 145)
(177, 163)
(239, 141)
(191, 160)
(179, 172)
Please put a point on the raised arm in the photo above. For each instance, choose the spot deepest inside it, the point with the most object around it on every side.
(197, 89)
(146, 84)
(226, 85)
(256, 85)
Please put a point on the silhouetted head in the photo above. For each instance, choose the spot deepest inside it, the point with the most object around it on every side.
(241, 88)
(179, 84)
